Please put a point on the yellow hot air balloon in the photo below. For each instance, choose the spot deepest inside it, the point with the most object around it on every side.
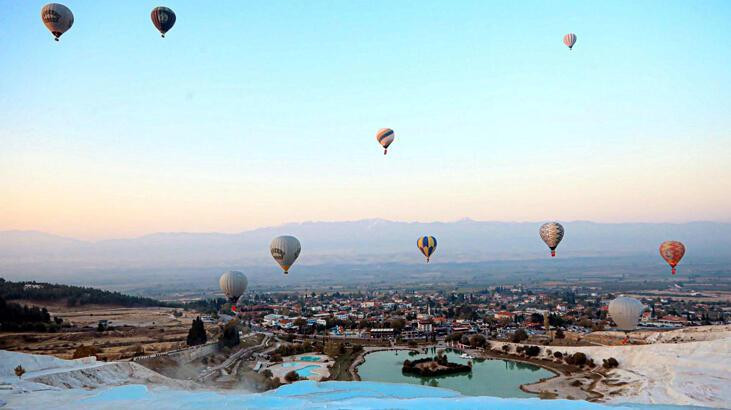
(427, 245)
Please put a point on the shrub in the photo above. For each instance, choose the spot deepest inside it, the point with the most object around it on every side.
(518, 336)
(557, 355)
(506, 348)
(576, 359)
(559, 334)
(267, 373)
(85, 351)
(532, 351)
(19, 371)
(291, 377)
(610, 363)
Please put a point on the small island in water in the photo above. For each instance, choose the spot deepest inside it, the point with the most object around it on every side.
(434, 366)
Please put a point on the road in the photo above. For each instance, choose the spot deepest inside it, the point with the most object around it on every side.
(241, 354)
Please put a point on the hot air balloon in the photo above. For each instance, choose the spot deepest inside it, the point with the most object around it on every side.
(427, 245)
(57, 18)
(385, 137)
(626, 312)
(551, 233)
(233, 284)
(163, 18)
(569, 40)
(285, 250)
(672, 252)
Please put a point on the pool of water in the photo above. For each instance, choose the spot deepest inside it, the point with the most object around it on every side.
(500, 378)
(290, 364)
(310, 358)
(306, 371)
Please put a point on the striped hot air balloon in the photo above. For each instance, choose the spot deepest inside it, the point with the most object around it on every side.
(233, 284)
(569, 40)
(285, 250)
(57, 18)
(427, 245)
(385, 137)
(672, 252)
(163, 18)
(551, 233)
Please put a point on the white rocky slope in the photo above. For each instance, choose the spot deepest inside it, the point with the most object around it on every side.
(51, 373)
(670, 370)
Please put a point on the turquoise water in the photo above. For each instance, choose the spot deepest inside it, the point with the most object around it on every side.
(304, 394)
(306, 371)
(291, 364)
(310, 359)
(500, 378)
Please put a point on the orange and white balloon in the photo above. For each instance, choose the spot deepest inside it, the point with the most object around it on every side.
(672, 252)
(569, 40)
(385, 137)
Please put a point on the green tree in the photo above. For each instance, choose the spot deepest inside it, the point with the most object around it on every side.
(197, 333)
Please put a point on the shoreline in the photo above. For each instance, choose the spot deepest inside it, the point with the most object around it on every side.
(557, 370)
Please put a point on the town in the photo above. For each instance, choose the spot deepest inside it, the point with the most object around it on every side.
(495, 312)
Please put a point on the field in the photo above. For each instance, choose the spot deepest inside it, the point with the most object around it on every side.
(131, 331)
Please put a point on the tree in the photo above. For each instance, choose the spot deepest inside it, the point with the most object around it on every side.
(536, 317)
(560, 334)
(267, 373)
(291, 377)
(19, 371)
(197, 333)
(398, 324)
(518, 336)
(477, 341)
(230, 335)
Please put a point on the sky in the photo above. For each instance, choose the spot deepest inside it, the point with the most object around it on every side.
(252, 114)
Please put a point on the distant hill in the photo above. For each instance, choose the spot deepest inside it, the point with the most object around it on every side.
(364, 242)
(72, 295)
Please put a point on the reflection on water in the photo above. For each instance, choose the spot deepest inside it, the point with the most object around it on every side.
(501, 378)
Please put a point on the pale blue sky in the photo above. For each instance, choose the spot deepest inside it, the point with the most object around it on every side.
(258, 113)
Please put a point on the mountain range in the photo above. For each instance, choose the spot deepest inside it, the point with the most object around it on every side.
(357, 243)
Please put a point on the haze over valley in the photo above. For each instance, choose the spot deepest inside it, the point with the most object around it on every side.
(366, 252)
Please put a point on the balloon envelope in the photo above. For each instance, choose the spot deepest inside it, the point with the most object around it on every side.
(233, 284)
(285, 250)
(163, 18)
(626, 312)
(427, 245)
(385, 137)
(57, 18)
(551, 233)
(672, 252)
(569, 40)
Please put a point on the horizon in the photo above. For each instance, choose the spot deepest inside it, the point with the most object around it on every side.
(285, 224)
(270, 115)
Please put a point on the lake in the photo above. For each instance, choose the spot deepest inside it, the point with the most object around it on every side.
(499, 378)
